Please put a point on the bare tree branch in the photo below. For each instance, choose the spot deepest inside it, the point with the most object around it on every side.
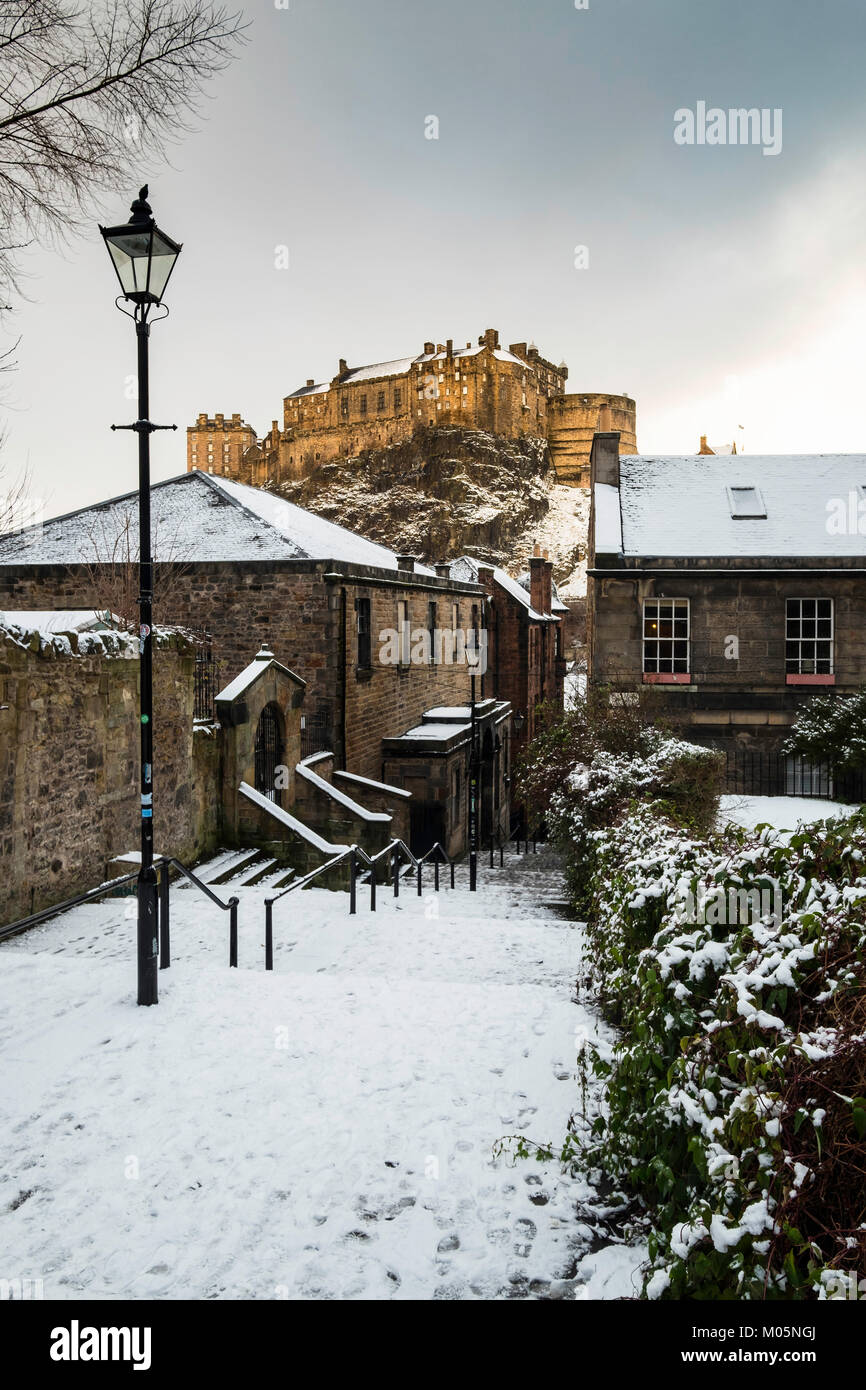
(86, 91)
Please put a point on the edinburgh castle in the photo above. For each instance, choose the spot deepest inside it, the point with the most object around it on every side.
(511, 394)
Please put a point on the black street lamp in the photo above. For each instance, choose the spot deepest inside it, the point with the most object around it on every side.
(144, 258)
(473, 658)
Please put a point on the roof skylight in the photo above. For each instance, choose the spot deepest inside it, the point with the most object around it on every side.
(747, 504)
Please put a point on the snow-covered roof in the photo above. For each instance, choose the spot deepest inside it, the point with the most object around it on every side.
(556, 603)
(436, 732)
(467, 568)
(261, 662)
(318, 389)
(680, 506)
(49, 621)
(401, 366)
(197, 517)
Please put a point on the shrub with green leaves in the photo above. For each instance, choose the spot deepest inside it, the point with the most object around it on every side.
(735, 1097)
(832, 729)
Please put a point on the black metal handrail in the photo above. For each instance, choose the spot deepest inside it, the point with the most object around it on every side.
(24, 923)
(298, 883)
(111, 885)
(165, 919)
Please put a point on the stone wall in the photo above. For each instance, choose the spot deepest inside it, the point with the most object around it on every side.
(69, 764)
(308, 618)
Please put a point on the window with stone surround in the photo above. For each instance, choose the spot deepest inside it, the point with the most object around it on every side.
(380, 401)
(404, 631)
(344, 406)
(363, 405)
(362, 612)
(665, 639)
(809, 640)
(431, 631)
(396, 398)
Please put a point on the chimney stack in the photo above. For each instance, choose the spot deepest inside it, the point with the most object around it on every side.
(604, 458)
(536, 582)
(406, 562)
(443, 569)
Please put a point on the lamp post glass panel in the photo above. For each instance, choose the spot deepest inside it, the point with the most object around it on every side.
(144, 257)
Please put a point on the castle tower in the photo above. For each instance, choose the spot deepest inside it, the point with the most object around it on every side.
(571, 423)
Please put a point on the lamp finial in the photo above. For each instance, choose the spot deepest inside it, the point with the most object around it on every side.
(141, 209)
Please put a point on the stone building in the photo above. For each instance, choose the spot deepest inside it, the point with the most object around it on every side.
(525, 663)
(349, 619)
(734, 586)
(510, 393)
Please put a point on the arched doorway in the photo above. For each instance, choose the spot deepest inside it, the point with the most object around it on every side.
(269, 752)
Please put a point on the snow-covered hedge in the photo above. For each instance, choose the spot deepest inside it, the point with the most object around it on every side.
(831, 729)
(735, 1105)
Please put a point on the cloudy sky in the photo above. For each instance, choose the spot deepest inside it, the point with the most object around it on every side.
(725, 287)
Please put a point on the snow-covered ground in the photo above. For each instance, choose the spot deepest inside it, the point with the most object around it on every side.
(784, 813)
(324, 1131)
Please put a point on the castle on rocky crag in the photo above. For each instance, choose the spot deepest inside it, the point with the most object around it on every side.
(511, 393)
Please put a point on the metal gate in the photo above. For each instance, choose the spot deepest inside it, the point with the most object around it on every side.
(269, 753)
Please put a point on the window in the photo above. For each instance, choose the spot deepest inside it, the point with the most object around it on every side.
(809, 637)
(747, 504)
(403, 630)
(363, 405)
(362, 609)
(666, 636)
(431, 631)
(455, 617)
(396, 398)
(380, 401)
(344, 406)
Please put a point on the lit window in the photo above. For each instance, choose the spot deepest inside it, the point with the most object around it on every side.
(666, 636)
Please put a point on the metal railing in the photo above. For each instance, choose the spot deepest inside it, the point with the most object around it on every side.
(206, 684)
(165, 863)
(357, 858)
(231, 907)
(751, 772)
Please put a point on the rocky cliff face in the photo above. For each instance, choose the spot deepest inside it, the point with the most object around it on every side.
(449, 492)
